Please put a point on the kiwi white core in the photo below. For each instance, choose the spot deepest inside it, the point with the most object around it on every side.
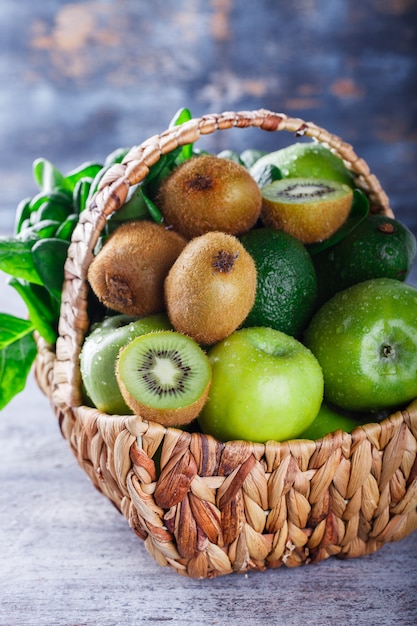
(165, 373)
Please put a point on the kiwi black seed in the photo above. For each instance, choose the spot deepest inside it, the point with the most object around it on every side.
(165, 377)
(207, 193)
(310, 209)
(128, 273)
(211, 287)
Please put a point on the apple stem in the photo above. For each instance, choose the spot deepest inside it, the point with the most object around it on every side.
(387, 351)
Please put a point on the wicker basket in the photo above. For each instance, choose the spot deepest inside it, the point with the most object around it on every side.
(215, 508)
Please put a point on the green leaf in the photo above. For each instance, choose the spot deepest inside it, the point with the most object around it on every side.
(16, 259)
(134, 209)
(43, 310)
(50, 210)
(153, 209)
(250, 156)
(59, 199)
(181, 116)
(163, 167)
(86, 170)
(49, 257)
(22, 214)
(266, 175)
(44, 228)
(16, 360)
(81, 193)
(358, 212)
(13, 328)
(66, 229)
(231, 155)
(47, 176)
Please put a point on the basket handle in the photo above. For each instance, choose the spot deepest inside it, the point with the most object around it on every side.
(112, 194)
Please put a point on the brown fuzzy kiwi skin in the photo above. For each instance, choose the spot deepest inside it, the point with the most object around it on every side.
(128, 273)
(211, 287)
(209, 193)
(167, 417)
(311, 222)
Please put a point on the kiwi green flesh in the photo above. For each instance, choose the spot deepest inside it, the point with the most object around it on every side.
(164, 370)
(305, 190)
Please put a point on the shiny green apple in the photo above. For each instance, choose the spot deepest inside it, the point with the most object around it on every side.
(99, 354)
(365, 339)
(265, 386)
(329, 420)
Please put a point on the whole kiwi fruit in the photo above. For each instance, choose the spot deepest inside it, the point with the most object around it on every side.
(128, 273)
(209, 193)
(211, 287)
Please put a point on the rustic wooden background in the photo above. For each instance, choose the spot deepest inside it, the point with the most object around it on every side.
(79, 79)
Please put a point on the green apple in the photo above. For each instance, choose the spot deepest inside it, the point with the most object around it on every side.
(265, 386)
(365, 339)
(305, 160)
(99, 354)
(329, 420)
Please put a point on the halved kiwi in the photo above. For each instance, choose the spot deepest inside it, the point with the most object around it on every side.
(310, 209)
(165, 377)
(207, 193)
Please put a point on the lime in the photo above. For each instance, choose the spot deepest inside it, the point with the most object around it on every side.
(286, 289)
(379, 247)
(306, 160)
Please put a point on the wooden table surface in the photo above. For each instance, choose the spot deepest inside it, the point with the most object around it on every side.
(79, 79)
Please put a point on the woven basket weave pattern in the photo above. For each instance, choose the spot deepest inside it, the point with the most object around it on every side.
(208, 508)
